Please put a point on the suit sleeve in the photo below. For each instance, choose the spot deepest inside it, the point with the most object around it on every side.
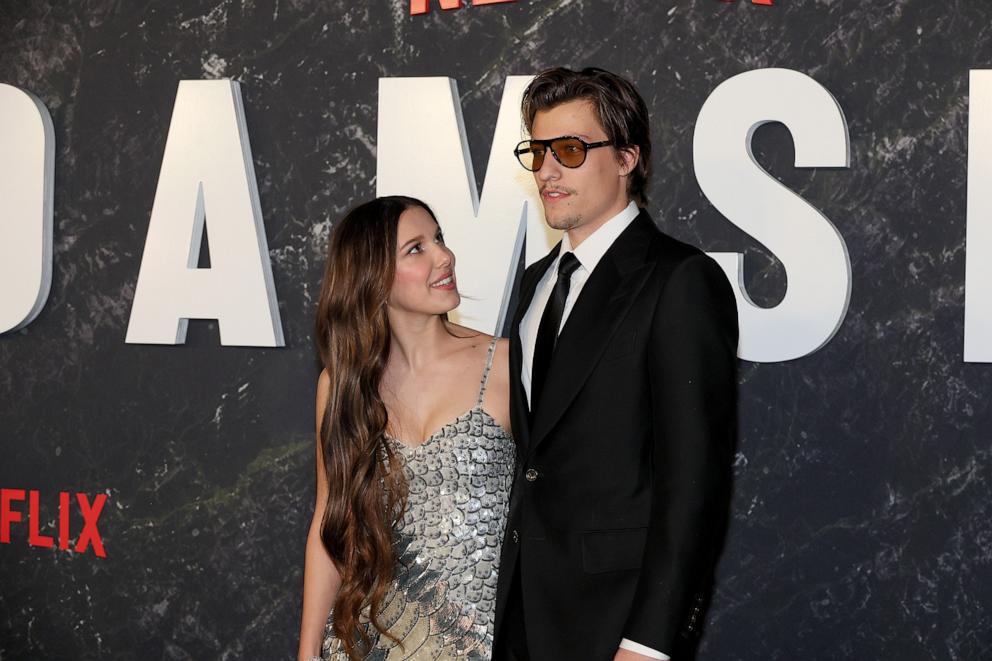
(692, 361)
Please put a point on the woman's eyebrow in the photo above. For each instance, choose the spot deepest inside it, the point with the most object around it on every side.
(419, 237)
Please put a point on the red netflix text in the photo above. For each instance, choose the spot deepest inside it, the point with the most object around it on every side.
(12, 511)
(424, 6)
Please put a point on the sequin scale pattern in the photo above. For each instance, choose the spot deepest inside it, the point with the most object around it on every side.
(442, 602)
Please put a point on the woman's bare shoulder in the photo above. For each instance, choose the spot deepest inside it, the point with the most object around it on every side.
(502, 350)
(466, 333)
(468, 341)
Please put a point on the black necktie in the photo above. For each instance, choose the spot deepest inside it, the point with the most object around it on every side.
(547, 332)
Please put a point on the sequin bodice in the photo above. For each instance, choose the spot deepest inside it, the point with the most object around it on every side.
(443, 599)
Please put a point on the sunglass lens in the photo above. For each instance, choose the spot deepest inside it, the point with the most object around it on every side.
(531, 155)
(571, 152)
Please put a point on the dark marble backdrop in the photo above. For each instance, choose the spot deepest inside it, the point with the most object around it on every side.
(862, 524)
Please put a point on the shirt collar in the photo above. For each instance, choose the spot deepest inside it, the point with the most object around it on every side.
(596, 244)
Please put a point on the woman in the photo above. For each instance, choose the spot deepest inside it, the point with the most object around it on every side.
(414, 460)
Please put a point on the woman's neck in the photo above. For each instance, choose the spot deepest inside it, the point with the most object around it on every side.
(417, 340)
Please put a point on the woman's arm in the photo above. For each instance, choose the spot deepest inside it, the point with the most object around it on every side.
(320, 577)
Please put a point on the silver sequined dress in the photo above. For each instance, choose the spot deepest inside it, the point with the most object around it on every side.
(443, 599)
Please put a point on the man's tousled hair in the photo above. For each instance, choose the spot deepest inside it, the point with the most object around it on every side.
(620, 109)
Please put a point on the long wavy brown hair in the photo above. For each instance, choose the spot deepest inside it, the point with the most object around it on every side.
(367, 489)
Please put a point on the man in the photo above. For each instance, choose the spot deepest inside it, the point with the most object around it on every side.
(623, 399)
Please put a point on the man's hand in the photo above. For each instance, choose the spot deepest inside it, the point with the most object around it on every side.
(627, 655)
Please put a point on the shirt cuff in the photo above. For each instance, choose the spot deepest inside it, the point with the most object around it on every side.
(641, 649)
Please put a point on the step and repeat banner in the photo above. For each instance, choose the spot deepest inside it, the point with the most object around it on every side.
(169, 176)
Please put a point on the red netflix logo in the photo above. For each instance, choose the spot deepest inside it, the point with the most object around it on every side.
(89, 536)
(424, 6)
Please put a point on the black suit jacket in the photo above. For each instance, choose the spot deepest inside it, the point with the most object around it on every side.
(621, 495)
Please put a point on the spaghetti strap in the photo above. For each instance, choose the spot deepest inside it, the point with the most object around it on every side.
(485, 372)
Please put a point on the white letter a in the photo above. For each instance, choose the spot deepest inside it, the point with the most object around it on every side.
(206, 176)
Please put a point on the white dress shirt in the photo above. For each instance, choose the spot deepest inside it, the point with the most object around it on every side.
(589, 252)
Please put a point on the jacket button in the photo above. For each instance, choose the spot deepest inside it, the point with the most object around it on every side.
(516, 536)
(531, 474)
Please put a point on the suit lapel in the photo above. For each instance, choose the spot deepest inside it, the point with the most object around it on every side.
(520, 411)
(601, 306)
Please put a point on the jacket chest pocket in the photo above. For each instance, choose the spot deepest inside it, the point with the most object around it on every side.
(613, 550)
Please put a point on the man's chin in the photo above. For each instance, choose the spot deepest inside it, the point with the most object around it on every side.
(563, 223)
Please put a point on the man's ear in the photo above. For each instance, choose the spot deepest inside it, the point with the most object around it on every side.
(628, 159)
